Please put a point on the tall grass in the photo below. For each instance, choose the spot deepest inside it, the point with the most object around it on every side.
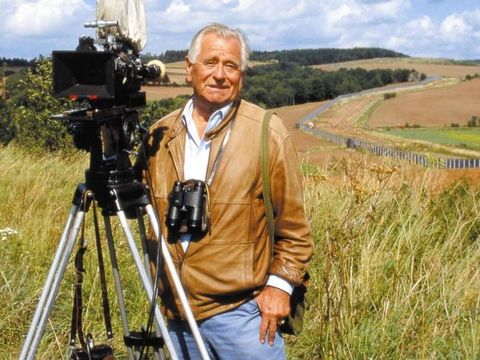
(35, 198)
(395, 274)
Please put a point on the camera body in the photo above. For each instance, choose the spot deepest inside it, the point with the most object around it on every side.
(110, 76)
(188, 207)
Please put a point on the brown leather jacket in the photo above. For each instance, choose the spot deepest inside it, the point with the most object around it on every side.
(231, 263)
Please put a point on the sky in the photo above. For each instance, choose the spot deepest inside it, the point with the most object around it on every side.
(424, 28)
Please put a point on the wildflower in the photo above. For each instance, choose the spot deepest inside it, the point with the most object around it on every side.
(6, 232)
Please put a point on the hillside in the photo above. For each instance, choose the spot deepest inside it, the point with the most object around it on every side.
(433, 108)
(431, 67)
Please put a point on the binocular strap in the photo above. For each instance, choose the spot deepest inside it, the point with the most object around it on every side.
(220, 152)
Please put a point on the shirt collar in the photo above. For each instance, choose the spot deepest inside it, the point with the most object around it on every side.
(215, 119)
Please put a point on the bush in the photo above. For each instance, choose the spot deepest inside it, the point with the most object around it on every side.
(27, 108)
(474, 121)
(155, 110)
(391, 95)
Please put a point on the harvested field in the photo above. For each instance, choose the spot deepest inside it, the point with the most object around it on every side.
(165, 92)
(176, 72)
(432, 108)
(344, 113)
(290, 115)
(428, 66)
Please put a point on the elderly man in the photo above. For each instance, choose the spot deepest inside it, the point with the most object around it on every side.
(237, 287)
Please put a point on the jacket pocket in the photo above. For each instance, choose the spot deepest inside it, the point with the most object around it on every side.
(219, 269)
(229, 223)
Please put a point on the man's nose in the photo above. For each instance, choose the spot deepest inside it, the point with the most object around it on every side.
(219, 72)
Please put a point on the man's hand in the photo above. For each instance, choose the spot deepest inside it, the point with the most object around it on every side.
(274, 305)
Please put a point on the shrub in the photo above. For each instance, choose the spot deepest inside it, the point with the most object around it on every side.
(155, 110)
(474, 121)
(27, 110)
(390, 95)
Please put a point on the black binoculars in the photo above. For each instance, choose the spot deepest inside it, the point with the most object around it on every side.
(187, 211)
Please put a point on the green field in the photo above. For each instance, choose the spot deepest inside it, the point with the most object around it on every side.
(466, 137)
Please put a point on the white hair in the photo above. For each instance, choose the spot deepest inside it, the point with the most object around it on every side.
(222, 31)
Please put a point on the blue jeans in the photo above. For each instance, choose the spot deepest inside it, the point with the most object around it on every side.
(231, 335)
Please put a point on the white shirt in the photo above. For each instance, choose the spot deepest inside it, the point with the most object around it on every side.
(197, 151)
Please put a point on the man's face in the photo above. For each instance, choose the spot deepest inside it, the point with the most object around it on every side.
(216, 76)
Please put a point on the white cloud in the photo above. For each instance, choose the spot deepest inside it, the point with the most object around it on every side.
(36, 18)
(177, 8)
(389, 9)
(269, 24)
(454, 28)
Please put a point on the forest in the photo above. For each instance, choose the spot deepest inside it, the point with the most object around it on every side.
(283, 84)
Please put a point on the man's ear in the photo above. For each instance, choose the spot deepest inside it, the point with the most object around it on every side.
(188, 70)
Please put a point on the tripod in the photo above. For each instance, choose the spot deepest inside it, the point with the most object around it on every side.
(110, 180)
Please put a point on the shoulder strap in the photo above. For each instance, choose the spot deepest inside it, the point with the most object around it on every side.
(265, 171)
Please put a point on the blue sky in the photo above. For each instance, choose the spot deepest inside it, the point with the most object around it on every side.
(427, 28)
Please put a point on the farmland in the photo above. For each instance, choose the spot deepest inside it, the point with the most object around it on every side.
(469, 138)
(176, 71)
(433, 108)
(447, 103)
(164, 92)
(424, 65)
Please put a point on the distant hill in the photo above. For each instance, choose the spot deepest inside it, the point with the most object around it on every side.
(299, 56)
(324, 56)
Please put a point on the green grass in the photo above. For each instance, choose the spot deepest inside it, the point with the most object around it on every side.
(395, 274)
(463, 137)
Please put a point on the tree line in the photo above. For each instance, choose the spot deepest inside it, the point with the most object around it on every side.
(300, 56)
(324, 56)
(283, 84)
(15, 61)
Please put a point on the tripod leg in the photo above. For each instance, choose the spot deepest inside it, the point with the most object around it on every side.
(178, 284)
(146, 282)
(159, 355)
(118, 284)
(52, 284)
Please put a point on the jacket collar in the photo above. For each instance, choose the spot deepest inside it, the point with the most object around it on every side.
(230, 116)
(176, 138)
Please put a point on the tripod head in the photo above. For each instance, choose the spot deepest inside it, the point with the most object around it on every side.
(109, 136)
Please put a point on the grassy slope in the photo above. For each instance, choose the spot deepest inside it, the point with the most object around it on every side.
(395, 272)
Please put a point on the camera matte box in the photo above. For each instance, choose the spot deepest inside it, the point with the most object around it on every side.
(83, 74)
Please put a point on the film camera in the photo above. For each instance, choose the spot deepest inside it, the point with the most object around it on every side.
(188, 207)
(111, 77)
(109, 81)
